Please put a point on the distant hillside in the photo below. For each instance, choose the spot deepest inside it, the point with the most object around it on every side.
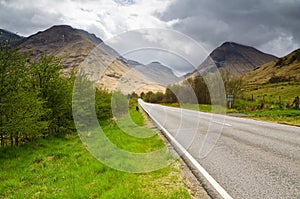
(158, 73)
(283, 69)
(11, 38)
(236, 59)
(73, 46)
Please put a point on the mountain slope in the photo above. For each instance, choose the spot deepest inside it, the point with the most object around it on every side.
(236, 59)
(283, 69)
(157, 72)
(68, 44)
(73, 47)
(13, 39)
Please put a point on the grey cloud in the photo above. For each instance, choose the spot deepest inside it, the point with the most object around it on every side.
(252, 22)
(26, 21)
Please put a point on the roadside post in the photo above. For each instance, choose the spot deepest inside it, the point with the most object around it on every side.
(230, 100)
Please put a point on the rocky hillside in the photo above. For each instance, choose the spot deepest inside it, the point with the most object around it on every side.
(236, 59)
(159, 73)
(286, 68)
(73, 46)
(69, 44)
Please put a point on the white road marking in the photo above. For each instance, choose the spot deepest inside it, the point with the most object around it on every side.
(210, 179)
(222, 123)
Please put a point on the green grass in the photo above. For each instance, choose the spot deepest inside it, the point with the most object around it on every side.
(284, 92)
(63, 168)
(252, 109)
(199, 107)
(274, 97)
(268, 112)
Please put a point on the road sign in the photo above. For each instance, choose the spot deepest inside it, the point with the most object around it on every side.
(230, 99)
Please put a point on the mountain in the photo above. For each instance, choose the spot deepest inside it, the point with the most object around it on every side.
(282, 69)
(70, 45)
(13, 39)
(235, 58)
(156, 72)
(75, 47)
(160, 73)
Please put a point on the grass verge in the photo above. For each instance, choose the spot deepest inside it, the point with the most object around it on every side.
(270, 112)
(63, 168)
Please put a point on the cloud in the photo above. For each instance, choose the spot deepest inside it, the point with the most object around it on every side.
(272, 26)
(110, 17)
(167, 46)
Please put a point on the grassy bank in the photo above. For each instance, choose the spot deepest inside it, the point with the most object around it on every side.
(270, 112)
(63, 168)
(283, 92)
(269, 102)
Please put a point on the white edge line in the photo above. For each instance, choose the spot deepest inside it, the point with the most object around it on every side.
(210, 179)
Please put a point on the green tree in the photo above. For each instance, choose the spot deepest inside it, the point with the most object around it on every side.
(56, 91)
(20, 108)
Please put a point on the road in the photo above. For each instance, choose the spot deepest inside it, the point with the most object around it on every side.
(250, 159)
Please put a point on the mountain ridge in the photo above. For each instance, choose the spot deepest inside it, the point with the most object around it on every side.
(286, 68)
(236, 59)
(12, 38)
(73, 46)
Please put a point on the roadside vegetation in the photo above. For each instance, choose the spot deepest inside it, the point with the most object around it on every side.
(272, 101)
(41, 155)
(63, 168)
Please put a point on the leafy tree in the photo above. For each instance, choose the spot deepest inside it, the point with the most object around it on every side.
(20, 108)
(103, 104)
(56, 91)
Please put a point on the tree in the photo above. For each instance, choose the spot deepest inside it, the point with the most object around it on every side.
(20, 108)
(56, 91)
(233, 85)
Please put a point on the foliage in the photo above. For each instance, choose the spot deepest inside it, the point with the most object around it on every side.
(34, 99)
(119, 104)
(276, 79)
(62, 168)
(103, 104)
(55, 91)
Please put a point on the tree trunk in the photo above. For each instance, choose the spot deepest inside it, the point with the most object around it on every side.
(11, 140)
(17, 139)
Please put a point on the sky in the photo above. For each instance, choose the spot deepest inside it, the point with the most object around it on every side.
(272, 26)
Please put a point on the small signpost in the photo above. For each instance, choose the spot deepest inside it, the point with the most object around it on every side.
(230, 100)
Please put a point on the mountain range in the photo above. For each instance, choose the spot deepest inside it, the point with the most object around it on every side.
(73, 46)
(236, 59)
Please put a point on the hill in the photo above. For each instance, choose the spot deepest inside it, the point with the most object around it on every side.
(70, 45)
(235, 58)
(283, 69)
(6, 36)
(157, 72)
(73, 46)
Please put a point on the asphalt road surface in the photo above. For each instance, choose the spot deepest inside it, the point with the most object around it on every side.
(249, 159)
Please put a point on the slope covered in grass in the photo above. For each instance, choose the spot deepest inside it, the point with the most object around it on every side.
(63, 168)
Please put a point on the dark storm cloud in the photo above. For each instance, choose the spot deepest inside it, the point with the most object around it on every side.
(272, 26)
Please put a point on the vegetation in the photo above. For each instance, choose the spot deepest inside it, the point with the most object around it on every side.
(63, 168)
(197, 91)
(193, 90)
(34, 100)
(45, 157)
(270, 102)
